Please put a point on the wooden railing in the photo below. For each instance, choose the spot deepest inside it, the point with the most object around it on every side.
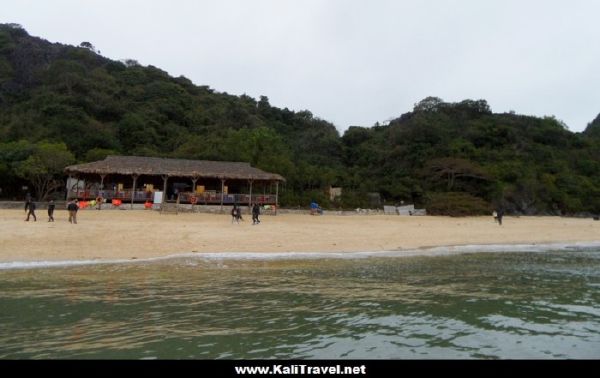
(124, 195)
(206, 198)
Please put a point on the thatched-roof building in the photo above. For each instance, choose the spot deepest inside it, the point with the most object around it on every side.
(134, 178)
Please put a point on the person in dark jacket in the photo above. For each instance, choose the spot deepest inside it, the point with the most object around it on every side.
(30, 205)
(27, 202)
(234, 214)
(255, 213)
(73, 206)
(499, 215)
(51, 207)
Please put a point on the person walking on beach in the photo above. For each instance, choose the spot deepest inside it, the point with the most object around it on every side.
(27, 201)
(73, 206)
(255, 213)
(499, 215)
(30, 205)
(51, 207)
(236, 214)
(233, 213)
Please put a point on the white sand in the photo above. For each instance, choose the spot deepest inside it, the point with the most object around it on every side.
(127, 234)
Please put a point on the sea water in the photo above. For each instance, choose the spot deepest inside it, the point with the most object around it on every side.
(476, 305)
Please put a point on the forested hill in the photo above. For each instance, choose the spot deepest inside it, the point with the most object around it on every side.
(460, 157)
(96, 106)
(61, 104)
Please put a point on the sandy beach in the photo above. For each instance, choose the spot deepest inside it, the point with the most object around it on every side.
(137, 234)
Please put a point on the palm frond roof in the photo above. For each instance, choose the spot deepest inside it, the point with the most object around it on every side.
(153, 166)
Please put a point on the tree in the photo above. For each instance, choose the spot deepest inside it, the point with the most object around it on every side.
(131, 62)
(89, 46)
(456, 204)
(593, 128)
(96, 154)
(44, 167)
(478, 106)
(261, 147)
(451, 169)
(429, 104)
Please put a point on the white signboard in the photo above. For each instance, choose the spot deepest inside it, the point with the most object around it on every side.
(158, 197)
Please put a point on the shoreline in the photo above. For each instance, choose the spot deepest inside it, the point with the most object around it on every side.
(136, 235)
(270, 256)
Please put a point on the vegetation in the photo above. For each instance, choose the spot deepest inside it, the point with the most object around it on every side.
(61, 104)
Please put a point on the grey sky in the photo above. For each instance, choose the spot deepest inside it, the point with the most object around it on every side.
(351, 62)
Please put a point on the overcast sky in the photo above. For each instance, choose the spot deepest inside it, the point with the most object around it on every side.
(351, 62)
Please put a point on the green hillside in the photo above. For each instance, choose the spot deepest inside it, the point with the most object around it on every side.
(62, 104)
(460, 158)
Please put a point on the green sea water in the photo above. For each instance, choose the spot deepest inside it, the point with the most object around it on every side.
(474, 306)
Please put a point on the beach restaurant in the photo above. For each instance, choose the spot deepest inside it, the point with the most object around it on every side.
(151, 180)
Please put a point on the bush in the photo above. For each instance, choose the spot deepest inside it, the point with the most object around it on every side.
(457, 204)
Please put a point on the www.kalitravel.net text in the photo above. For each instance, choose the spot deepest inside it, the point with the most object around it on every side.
(301, 369)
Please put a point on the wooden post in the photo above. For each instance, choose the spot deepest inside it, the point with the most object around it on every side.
(222, 190)
(165, 178)
(77, 192)
(68, 189)
(101, 189)
(194, 179)
(133, 189)
(276, 196)
(250, 200)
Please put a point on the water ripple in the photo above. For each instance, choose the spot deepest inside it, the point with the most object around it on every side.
(488, 305)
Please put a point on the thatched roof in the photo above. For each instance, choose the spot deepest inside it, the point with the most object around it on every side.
(130, 165)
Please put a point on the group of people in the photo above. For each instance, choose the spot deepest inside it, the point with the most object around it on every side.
(30, 208)
(236, 214)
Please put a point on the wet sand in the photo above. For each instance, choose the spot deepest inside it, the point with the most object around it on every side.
(137, 234)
